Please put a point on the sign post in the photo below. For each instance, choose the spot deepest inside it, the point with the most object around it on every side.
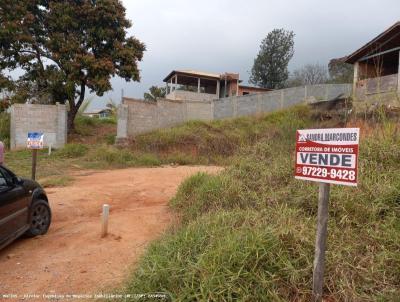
(34, 142)
(320, 241)
(327, 156)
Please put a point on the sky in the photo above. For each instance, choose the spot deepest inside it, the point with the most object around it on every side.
(225, 35)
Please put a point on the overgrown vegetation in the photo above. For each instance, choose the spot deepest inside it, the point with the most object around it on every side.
(5, 128)
(248, 234)
(213, 142)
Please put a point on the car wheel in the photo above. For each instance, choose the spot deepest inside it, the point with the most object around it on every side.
(39, 218)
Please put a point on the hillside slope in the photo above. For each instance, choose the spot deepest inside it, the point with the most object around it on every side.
(248, 234)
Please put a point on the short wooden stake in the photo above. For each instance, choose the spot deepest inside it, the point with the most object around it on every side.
(34, 161)
(320, 242)
(49, 149)
(104, 220)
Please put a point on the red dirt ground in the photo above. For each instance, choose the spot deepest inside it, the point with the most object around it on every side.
(72, 258)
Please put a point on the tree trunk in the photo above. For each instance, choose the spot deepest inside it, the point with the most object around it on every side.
(71, 118)
(73, 109)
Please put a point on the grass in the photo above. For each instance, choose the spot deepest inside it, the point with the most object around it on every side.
(5, 128)
(85, 125)
(248, 234)
(52, 169)
(212, 142)
(73, 150)
(60, 181)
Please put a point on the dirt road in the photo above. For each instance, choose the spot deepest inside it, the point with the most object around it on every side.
(72, 258)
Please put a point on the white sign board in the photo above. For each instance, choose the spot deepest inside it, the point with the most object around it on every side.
(327, 155)
(35, 140)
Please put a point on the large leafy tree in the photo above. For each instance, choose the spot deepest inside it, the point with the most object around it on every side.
(66, 48)
(340, 71)
(270, 68)
(155, 93)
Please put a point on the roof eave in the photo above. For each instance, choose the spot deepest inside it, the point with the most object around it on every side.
(354, 57)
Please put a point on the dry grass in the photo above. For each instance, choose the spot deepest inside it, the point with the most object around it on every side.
(248, 234)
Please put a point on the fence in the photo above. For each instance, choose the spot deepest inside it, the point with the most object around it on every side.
(138, 116)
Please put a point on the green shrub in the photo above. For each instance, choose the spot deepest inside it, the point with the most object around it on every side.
(113, 155)
(73, 150)
(123, 157)
(146, 160)
(183, 158)
(5, 128)
(110, 139)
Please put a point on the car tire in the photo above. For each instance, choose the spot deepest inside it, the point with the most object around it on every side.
(39, 218)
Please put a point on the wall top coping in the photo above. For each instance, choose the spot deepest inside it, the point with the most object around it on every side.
(38, 105)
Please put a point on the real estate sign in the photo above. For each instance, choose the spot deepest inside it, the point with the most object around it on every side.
(35, 140)
(327, 155)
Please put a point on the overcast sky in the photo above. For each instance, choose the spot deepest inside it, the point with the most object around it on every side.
(225, 35)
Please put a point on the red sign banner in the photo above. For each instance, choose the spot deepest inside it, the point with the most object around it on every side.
(327, 155)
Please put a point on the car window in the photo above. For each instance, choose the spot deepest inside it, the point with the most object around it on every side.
(3, 182)
(6, 175)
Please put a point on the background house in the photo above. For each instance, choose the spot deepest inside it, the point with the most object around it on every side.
(99, 113)
(377, 67)
(204, 86)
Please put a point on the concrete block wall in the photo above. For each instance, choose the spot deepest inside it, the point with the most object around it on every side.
(199, 110)
(276, 100)
(138, 116)
(49, 119)
(382, 90)
(170, 113)
(183, 95)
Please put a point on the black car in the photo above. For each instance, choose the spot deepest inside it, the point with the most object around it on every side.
(24, 208)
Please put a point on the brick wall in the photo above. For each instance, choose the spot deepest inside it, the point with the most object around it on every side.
(138, 116)
(49, 119)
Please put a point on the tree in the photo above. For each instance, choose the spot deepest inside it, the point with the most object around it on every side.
(270, 68)
(155, 93)
(340, 72)
(65, 48)
(309, 74)
(112, 105)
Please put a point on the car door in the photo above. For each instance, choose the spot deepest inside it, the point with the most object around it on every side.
(13, 206)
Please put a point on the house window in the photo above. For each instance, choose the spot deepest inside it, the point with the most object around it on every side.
(246, 92)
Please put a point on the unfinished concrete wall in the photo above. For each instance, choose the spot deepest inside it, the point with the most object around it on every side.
(138, 116)
(383, 90)
(276, 100)
(49, 119)
(198, 110)
(183, 95)
(170, 113)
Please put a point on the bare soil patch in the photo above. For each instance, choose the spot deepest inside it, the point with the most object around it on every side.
(71, 257)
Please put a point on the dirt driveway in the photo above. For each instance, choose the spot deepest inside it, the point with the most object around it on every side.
(72, 258)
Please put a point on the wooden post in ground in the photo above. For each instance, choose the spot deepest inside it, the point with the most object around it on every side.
(356, 76)
(320, 242)
(34, 160)
(104, 220)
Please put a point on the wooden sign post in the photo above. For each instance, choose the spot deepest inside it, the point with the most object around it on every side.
(328, 156)
(34, 142)
(320, 242)
(34, 161)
